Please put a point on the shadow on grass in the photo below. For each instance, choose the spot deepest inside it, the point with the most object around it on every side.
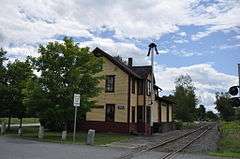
(55, 137)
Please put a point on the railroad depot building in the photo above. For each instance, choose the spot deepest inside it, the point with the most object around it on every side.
(126, 105)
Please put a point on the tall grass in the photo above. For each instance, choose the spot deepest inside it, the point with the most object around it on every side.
(229, 144)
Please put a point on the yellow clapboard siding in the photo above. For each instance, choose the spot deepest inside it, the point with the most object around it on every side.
(96, 115)
(120, 94)
(170, 113)
(164, 113)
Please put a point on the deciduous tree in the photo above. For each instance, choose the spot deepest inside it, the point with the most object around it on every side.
(3, 83)
(65, 69)
(201, 113)
(18, 73)
(225, 106)
(211, 116)
(185, 98)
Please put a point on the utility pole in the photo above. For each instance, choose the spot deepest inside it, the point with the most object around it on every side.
(152, 48)
(235, 90)
(239, 78)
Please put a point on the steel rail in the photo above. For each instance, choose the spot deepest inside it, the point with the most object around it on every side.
(168, 140)
(171, 155)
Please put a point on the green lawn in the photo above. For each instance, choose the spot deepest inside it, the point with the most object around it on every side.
(229, 144)
(100, 138)
(16, 120)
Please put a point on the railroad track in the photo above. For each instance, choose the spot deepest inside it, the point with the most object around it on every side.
(171, 154)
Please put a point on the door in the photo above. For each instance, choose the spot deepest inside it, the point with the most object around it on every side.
(110, 112)
(148, 115)
(140, 119)
(133, 114)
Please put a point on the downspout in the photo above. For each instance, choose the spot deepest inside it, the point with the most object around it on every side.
(144, 104)
(129, 102)
(167, 112)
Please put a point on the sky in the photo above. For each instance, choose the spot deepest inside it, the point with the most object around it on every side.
(200, 38)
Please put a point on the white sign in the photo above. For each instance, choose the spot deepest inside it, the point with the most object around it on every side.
(76, 102)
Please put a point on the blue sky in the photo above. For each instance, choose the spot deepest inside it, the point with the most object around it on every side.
(196, 37)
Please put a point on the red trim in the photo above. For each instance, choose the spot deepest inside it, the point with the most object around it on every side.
(133, 128)
(101, 126)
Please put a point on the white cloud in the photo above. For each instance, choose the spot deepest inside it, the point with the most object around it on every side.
(21, 52)
(184, 34)
(237, 37)
(163, 51)
(185, 53)
(123, 49)
(33, 21)
(227, 46)
(206, 79)
(180, 41)
(221, 16)
(25, 24)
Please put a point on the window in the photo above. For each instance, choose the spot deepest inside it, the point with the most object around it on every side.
(140, 87)
(133, 85)
(110, 112)
(149, 88)
(110, 81)
(133, 114)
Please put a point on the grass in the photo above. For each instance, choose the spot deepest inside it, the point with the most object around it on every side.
(17, 121)
(229, 144)
(188, 125)
(49, 136)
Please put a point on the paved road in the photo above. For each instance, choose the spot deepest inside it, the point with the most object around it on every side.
(12, 148)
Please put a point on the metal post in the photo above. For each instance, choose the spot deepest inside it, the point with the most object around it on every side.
(152, 62)
(239, 78)
(75, 121)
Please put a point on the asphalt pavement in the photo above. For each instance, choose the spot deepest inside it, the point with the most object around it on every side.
(16, 148)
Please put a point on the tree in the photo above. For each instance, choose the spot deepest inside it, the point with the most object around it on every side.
(185, 98)
(65, 69)
(224, 106)
(237, 113)
(3, 83)
(18, 73)
(211, 116)
(201, 113)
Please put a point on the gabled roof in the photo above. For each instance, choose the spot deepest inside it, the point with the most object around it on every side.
(124, 67)
(142, 71)
(167, 99)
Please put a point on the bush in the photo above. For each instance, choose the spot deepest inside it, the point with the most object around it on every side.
(52, 124)
(179, 125)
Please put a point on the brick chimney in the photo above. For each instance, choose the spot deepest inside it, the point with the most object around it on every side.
(130, 61)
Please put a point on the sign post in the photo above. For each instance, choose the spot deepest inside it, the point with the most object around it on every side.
(76, 103)
(239, 78)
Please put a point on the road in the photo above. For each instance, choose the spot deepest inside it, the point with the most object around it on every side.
(15, 148)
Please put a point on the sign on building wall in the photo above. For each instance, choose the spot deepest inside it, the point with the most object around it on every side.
(121, 107)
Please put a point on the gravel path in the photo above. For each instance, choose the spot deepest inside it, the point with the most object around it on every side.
(206, 143)
(143, 141)
(175, 145)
